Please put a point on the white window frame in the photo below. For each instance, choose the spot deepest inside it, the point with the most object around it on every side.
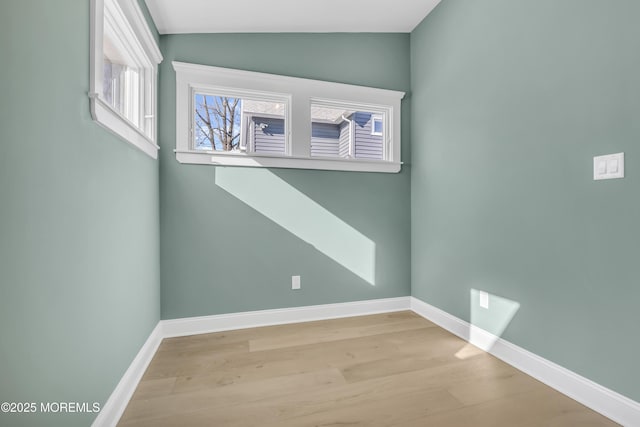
(132, 30)
(302, 92)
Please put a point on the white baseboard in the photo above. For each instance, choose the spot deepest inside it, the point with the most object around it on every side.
(601, 399)
(114, 407)
(252, 319)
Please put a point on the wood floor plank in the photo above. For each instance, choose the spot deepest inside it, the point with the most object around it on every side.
(536, 408)
(394, 369)
(480, 390)
(372, 413)
(355, 397)
(193, 372)
(154, 388)
(324, 335)
(221, 398)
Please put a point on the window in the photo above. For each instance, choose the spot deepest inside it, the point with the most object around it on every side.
(226, 121)
(124, 59)
(347, 131)
(242, 118)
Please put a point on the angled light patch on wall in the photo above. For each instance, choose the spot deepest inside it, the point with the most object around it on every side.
(490, 316)
(300, 215)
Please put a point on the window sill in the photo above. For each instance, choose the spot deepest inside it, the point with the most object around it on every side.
(319, 163)
(108, 118)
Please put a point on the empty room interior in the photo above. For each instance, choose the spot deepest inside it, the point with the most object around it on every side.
(287, 213)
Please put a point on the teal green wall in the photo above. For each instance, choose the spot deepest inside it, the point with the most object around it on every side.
(511, 101)
(79, 223)
(221, 255)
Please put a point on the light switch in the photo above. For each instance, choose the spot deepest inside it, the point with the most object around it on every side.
(608, 166)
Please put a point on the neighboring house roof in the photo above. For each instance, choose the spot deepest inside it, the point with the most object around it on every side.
(326, 114)
(263, 107)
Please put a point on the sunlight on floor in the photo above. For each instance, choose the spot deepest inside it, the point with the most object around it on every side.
(490, 316)
(296, 212)
(469, 350)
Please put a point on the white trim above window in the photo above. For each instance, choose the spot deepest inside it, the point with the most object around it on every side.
(297, 95)
(124, 67)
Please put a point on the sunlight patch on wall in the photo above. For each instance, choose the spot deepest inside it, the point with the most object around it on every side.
(490, 316)
(300, 215)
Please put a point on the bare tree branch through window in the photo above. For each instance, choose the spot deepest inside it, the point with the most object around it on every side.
(217, 122)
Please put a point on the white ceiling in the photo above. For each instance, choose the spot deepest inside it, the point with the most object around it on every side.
(284, 16)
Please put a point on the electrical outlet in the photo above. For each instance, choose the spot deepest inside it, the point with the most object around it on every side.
(484, 299)
(295, 282)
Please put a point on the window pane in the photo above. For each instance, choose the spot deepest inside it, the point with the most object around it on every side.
(121, 80)
(112, 84)
(330, 131)
(377, 126)
(217, 123)
(346, 133)
(224, 123)
(268, 134)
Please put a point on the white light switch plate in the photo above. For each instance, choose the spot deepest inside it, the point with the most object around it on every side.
(608, 166)
(295, 282)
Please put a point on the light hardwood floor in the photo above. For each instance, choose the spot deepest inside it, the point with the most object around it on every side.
(394, 369)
